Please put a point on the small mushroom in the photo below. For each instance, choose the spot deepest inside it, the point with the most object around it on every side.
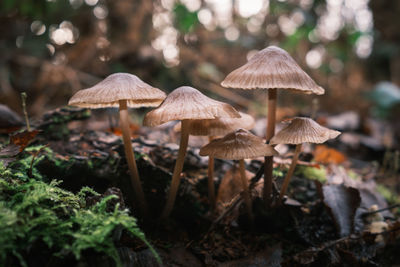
(213, 128)
(301, 130)
(271, 68)
(185, 104)
(122, 90)
(239, 145)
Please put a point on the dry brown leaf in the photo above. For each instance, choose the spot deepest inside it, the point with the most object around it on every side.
(23, 139)
(324, 154)
(134, 128)
(230, 185)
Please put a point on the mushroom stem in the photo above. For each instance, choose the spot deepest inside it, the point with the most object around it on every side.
(290, 171)
(176, 177)
(268, 161)
(130, 158)
(246, 193)
(211, 188)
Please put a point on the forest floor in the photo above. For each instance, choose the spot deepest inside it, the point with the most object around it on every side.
(342, 205)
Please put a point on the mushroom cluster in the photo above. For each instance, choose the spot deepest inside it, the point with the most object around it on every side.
(271, 68)
(187, 105)
(213, 128)
(239, 145)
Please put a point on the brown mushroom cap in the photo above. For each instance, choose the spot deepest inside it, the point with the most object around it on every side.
(187, 103)
(118, 86)
(240, 144)
(303, 130)
(272, 68)
(218, 127)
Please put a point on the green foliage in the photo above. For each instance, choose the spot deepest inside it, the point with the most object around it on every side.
(20, 168)
(33, 211)
(34, 9)
(313, 173)
(184, 19)
(390, 197)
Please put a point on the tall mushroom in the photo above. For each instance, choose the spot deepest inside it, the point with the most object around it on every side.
(301, 130)
(239, 145)
(271, 68)
(122, 90)
(213, 128)
(185, 104)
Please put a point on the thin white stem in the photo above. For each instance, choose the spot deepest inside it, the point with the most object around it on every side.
(211, 188)
(176, 177)
(289, 174)
(268, 161)
(130, 157)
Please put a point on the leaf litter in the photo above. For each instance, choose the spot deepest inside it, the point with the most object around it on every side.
(322, 222)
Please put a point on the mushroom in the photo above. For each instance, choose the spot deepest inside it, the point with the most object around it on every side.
(271, 68)
(301, 130)
(122, 90)
(239, 145)
(213, 128)
(185, 104)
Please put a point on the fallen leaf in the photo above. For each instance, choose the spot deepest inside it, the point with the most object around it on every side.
(134, 128)
(324, 154)
(342, 202)
(231, 185)
(23, 139)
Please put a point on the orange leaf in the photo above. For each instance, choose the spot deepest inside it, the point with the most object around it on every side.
(134, 128)
(23, 139)
(324, 154)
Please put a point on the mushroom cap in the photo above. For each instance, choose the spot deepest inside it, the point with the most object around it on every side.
(303, 130)
(272, 68)
(118, 86)
(240, 144)
(187, 103)
(220, 126)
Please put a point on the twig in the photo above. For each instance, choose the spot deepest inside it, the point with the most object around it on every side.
(23, 99)
(364, 214)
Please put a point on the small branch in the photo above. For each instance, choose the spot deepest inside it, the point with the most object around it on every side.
(23, 99)
(364, 214)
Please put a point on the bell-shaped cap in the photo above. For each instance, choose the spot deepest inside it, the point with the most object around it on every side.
(240, 144)
(303, 130)
(116, 87)
(272, 68)
(218, 127)
(187, 103)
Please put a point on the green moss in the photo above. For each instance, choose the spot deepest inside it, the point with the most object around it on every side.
(278, 173)
(353, 175)
(313, 173)
(387, 194)
(32, 211)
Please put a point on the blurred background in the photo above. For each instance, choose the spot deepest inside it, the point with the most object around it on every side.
(51, 49)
